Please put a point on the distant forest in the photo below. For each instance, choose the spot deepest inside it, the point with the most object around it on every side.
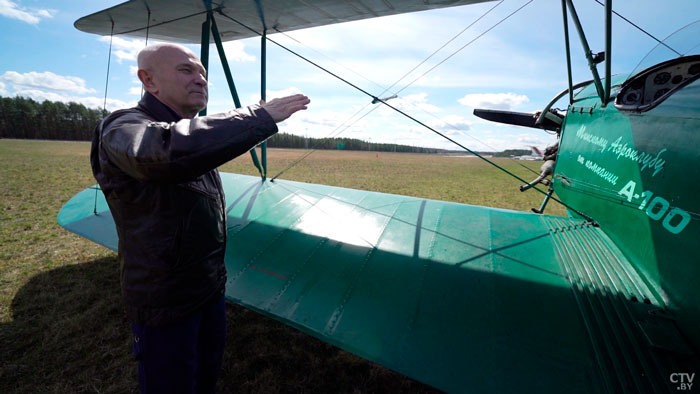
(25, 118)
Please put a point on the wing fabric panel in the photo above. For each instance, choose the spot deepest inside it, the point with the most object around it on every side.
(181, 21)
(464, 298)
(78, 215)
(460, 301)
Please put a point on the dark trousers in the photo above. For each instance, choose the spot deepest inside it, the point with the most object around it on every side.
(183, 357)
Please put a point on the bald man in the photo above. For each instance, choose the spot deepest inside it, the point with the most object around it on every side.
(156, 165)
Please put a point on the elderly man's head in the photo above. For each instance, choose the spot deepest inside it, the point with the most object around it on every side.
(174, 75)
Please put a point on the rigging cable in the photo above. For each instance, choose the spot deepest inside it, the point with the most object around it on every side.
(640, 29)
(338, 129)
(443, 46)
(464, 46)
(454, 53)
(104, 105)
(586, 217)
(109, 60)
(453, 127)
(329, 58)
(385, 90)
(431, 69)
(332, 134)
(148, 27)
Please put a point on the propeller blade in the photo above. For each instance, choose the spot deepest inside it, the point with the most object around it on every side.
(515, 118)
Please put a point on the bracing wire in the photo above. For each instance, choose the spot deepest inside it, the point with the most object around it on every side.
(329, 58)
(332, 134)
(463, 46)
(453, 127)
(439, 49)
(377, 99)
(252, 30)
(342, 126)
(148, 27)
(409, 71)
(109, 61)
(104, 105)
(640, 29)
(385, 90)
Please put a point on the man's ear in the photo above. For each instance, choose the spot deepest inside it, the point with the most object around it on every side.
(147, 80)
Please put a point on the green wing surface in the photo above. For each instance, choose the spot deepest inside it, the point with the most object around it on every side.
(464, 298)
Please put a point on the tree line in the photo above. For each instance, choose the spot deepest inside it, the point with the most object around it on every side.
(25, 118)
(284, 140)
(512, 152)
(50, 120)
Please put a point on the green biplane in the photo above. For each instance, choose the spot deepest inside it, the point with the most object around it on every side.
(468, 298)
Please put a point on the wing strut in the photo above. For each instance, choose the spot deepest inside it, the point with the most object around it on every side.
(263, 80)
(204, 50)
(210, 26)
(592, 58)
(263, 87)
(583, 215)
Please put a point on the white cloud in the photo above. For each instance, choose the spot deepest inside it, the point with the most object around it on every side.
(329, 118)
(323, 118)
(325, 123)
(90, 102)
(135, 91)
(235, 51)
(46, 80)
(410, 103)
(53, 87)
(539, 140)
(40, 95)
(488, 141)
(272, 94)
(32, 16)
(504, 101)
(452, 125)
(124, 48)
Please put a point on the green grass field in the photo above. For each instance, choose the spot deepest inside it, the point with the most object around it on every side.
(62, 329)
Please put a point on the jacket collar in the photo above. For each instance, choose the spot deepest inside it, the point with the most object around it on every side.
(160, 112)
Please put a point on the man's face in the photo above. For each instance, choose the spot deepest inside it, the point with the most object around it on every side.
(179, 81)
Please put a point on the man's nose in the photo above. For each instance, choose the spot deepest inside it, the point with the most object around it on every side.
(201, 80)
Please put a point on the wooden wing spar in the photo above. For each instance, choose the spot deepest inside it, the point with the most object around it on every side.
(182, 21)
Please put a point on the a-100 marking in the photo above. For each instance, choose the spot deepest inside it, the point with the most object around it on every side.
(657, 208)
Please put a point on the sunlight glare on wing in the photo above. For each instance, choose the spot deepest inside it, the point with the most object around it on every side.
(342, 222)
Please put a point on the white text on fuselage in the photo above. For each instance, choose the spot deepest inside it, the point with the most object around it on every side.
(599, 170)
(623, 150)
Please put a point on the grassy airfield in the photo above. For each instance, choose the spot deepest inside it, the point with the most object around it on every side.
(61, 323)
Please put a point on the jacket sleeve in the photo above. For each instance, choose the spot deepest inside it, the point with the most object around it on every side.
(181, 151)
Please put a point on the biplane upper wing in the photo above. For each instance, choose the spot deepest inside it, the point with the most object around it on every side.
(182, 21)
(464, 298)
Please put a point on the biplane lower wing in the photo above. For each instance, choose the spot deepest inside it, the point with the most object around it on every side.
(463, 298)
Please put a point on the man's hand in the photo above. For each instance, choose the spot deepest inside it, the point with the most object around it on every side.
(282, 108)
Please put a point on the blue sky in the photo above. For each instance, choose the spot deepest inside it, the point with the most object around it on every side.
(519, 65)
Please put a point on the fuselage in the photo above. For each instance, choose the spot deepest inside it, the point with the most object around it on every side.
(632, 165)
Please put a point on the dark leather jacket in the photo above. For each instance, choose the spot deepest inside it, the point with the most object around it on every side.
(158, 174)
